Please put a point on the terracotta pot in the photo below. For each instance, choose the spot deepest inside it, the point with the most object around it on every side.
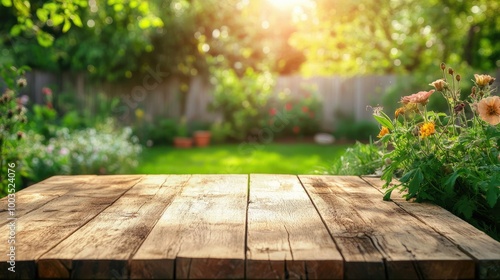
(202, 138)
(183, 142)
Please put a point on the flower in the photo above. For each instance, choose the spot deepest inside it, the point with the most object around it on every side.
(483, 80)
(383, 131)
(399, 111)
(296, 129)
(139, 113)
(420, 97)
(288, 106)
(46, 91)
(489, 110)
(427, 129)
(272, 112)
(305, 109)
(439, 85)
(21, 82)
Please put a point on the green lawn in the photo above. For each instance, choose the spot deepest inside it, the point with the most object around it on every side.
(240, 159)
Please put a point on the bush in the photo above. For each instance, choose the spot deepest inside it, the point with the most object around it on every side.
(350, 129)
(240, 100)
(360, 159)
(12, 123)
(295, 115)
(101, 150)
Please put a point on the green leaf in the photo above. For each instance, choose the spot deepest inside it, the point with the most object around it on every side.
(7, 3)
(42, 14)
(44, 39)
(492, 196)
(384, 121)
(118, 7)
(66, 26)
(76, 20)
(16, 30)
(57, 19)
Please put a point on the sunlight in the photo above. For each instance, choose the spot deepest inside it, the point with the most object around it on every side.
(286, 4)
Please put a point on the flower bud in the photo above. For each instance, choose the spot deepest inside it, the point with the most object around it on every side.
(19, 135)
(458, 108)
(450, 71)
(443, 66)
(458, 77)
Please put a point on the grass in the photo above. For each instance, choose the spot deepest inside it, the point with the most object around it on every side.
(240, 159)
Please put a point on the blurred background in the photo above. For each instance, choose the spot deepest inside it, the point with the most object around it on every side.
(108, 86)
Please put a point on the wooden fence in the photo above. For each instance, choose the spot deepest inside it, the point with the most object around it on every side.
(158, 96)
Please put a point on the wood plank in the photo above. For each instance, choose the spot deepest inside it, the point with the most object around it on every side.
(409, 248)
(101, 248)
(45, 227)
(286, 237)
(201, 234)
(484, 249)
(30, 199)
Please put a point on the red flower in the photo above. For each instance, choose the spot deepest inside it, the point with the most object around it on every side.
(296, 129)
(288, 106)
(46, 91)
(305, 109)
(272, 112)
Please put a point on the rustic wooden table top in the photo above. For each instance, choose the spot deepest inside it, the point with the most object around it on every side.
(236, 226)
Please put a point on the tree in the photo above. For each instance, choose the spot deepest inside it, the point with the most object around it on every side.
(375, 36)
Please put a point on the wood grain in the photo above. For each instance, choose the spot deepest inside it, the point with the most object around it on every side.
(115, 234)
(41, 229)
(201, 234)
(286, 237)
(484, 249)
(409, 248)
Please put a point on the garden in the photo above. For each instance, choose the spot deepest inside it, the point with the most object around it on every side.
(403, 90)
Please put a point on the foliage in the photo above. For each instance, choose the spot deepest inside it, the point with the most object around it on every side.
(451, 159)
(295, 115)
(108, 43)
(360, 159)
(239, 99)
(12, 121)
(101, 150)
(366, 36)
(158, 132)
(350, 129)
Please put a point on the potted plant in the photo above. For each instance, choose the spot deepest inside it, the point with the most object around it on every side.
(202, 138)
(182, 140)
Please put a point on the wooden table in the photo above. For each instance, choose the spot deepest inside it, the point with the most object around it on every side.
(236, 226)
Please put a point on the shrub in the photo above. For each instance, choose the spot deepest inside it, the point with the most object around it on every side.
(12, 122)
(356, 130)
(451, 159)
(101, 150)
(295, 115)
(360, 159)
(240, 99)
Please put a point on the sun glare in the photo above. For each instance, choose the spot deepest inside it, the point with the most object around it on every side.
(286, 4)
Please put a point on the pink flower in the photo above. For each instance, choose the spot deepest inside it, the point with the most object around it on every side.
(63, 151)
(288, 106)
(420, 97)
(489, 110)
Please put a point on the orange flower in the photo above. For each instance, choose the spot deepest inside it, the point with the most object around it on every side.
(383, 131)
(399, 111)
(439, 85)
(420, 97)
(427, 129)
(489, 110)
(483, 80)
